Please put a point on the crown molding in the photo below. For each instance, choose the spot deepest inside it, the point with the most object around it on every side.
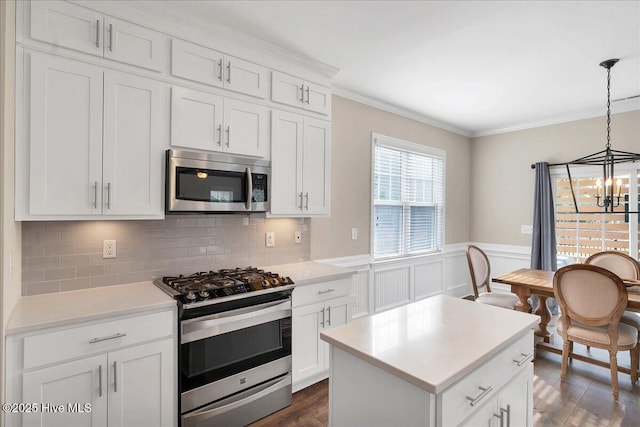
(390, 108)
(621, 106)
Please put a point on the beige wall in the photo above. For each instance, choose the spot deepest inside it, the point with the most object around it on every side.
(352, 125)
(501, 169)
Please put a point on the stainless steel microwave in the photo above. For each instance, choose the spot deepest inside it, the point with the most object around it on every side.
(215, 183)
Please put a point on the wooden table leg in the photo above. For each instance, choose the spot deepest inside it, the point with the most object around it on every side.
(523, 294)
(545, 316)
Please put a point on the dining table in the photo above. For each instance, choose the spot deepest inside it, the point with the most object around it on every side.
(526, 282)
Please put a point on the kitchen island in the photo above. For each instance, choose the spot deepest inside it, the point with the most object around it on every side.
(440, 361)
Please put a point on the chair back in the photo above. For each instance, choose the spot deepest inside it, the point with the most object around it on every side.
(618, 262)
(590, 295)
(479, 268)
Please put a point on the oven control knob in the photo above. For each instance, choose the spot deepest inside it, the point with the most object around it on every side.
(265, 284)
(190, 296)
(203, 294)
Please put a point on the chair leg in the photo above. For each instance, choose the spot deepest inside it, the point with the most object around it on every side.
(613, 363)
(565, 357)
(635, 353)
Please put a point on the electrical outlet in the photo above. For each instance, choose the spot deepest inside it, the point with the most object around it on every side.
(108, 249)
(354, 233)
(526, 229)
(297, 237)
(270, 239)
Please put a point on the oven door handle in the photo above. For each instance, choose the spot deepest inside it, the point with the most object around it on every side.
(208, 413)
(233, 320)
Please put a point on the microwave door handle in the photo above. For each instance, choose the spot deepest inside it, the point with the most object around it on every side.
(249, 189)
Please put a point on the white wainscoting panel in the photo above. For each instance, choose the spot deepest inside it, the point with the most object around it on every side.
(457, 272)
(504, 259)
(427, 279)
(360, 289)
(391, 288)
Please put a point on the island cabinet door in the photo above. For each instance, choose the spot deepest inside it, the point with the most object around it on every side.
(308, 353)
(514, 401)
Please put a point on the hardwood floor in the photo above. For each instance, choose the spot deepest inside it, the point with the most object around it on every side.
(584, 400)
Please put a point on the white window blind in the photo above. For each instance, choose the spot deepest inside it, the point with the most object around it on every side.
(408, 198)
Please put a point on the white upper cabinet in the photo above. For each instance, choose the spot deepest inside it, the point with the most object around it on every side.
(205, 121)
(301, 165)
(297, 92)
(96, 141)
(74, 27)
(203, 65)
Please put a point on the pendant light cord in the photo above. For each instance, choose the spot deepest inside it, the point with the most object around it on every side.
(608, 107)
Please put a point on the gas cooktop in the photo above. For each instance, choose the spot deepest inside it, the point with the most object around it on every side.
(216, 286)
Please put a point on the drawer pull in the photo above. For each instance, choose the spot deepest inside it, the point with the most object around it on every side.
(112, 337)
(524, 357)
(473, 401)
(326, 291)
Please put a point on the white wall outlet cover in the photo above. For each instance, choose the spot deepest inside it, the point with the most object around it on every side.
(526, 229)
(270, 239)
(354, 233)
(108, 249)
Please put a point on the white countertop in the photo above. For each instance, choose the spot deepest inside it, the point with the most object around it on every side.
(434, 342)
(306, 273)
(63, 308)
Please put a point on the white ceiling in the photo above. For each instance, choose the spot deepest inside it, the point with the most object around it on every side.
(475, 66)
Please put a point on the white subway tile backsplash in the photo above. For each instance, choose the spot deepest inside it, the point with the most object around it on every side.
(67, 255)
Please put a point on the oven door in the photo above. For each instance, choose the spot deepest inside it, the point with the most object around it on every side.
(224, 353)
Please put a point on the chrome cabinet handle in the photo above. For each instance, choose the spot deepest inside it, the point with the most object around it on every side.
(111, 38)
(502, 414)
(220, 135)
(302, 93)
(306, 201)
(322, 323)
(300, 201)
(108, 195)
(307, 95)
(524, 357)
(110, 337)
(228, 136)
(220, 69)
(115, 376)
(326, 291)
(329, 316)
(100, 381)
(97, 33)
(95, 195)
(229, 72)
(473, 401)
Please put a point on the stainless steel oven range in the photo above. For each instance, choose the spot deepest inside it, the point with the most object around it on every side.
(234, 358)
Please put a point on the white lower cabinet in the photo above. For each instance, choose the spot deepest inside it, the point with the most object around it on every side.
(117, 373)
(332, 307)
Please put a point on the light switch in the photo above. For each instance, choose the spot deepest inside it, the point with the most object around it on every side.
(270, 239)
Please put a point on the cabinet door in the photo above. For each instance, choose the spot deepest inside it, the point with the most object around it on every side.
(245, 77)
(316, 166)
(196, 63)
(82, 381)
(514, 400)
(287, 89)
(336, 312)
(135, 45)
(135, 117)
(317, 98)
(196, 119)
(286, 163)
(65, 152)
(307, 352)
(141, 386)
(67, 25)
(246, 128)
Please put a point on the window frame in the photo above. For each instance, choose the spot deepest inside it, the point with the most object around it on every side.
(416, 148)
(580, 171)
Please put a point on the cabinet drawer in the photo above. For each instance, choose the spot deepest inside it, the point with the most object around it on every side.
(95, 338)
(470, 393)
(309, 294)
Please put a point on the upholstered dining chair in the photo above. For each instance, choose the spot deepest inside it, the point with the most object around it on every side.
(624, 267)
(481, 276)
(592, 300)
